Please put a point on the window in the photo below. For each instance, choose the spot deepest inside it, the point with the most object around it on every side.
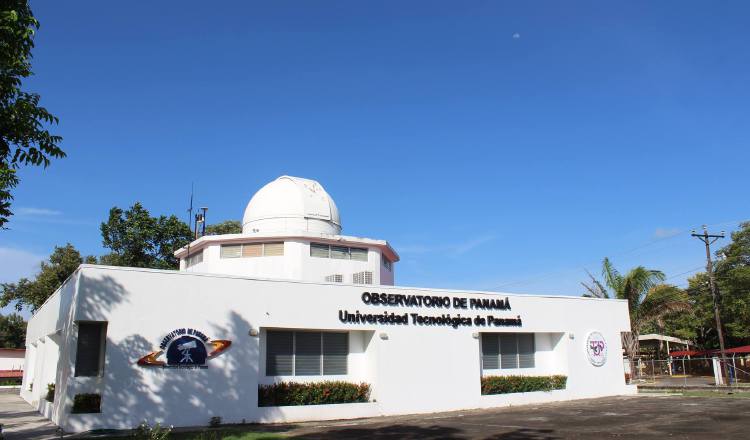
(194, 259)
(290, 353)
(364, 277)
(250, 250)
(507, 350)
(90, 348)
(335, 278)
(358, 254)
(321, 250)
(386, 262)
(273, 249)
(231, 250)
(340, 252)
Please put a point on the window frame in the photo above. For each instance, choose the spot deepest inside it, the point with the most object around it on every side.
(502, 356)
(241, 247)
(321, 356)
(101, 361)
(341, 252)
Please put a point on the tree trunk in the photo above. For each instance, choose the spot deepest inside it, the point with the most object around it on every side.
(631, 346)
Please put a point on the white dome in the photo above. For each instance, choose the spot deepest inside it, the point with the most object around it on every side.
(291, 204)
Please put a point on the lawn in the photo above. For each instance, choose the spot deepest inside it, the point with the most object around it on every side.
(225, 434)
(699, 393)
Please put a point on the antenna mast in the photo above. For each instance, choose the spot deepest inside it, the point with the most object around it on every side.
(190, 222)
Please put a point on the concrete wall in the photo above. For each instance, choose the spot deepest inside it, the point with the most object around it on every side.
(295, 264)
(411, 368)
(11, 359)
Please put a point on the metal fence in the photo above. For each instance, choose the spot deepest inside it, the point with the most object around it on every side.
(687, 372)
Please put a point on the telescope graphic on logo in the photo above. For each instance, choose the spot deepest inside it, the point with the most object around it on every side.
(185, 348)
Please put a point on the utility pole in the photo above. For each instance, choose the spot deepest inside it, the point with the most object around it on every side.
(708, 240)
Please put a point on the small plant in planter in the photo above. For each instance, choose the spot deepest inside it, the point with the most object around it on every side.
(145, 431)
(87, 403)
(50, 392)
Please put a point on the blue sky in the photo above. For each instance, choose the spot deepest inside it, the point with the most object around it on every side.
(496, 145)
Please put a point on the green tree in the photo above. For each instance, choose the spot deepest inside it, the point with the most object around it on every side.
(12, 331)
(650, 301)
(732, 274)
(136, 239)
(24, 138)
(31, 294)
(225, 227)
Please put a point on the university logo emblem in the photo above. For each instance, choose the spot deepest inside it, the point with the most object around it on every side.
(596, 349)
(184, 348)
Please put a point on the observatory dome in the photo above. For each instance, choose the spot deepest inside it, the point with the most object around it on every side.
(291, 204)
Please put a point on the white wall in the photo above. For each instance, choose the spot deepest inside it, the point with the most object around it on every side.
(411, 369)
(295, 264)
(11, 359)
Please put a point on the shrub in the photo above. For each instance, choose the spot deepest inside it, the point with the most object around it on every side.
(215, 422)
(87, 403)
(522, 384)
(313, 393)
(145, 431)
(50, 392)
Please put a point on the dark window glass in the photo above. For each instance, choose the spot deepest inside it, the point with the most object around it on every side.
(307, 354)
(508, 351)
(526, 350)
(490, 351)
(335, 351)
(279, 353)
(90, 349)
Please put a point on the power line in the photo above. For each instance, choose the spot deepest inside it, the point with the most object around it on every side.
(546, 275)
(708, 240)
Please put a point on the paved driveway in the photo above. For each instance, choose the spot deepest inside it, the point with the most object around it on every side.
(634, 417)
(21, 421)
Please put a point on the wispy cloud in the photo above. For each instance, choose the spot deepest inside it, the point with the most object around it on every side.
(456, 248)
(28, 214)
(40, 212)
(666, 232)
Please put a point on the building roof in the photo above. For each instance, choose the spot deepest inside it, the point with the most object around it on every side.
(291, 203)
(7, 374)
(657, 337)
(745, 349)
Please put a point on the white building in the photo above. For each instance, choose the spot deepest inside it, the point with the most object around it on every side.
(290, 299)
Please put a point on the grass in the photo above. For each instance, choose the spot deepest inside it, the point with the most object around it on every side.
(226, 434)
(698, 393)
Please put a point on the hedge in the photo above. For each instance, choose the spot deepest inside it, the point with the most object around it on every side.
(87, 403)
(522, 384)
(312, 393)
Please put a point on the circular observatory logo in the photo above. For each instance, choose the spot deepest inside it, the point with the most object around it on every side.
(596, 349)
(185, 348)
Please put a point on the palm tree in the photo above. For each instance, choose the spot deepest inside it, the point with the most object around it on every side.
(650, 300)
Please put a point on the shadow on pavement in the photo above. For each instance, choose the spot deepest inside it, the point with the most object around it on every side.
(415, 432)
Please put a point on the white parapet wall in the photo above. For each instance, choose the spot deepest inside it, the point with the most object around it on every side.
(411, 367)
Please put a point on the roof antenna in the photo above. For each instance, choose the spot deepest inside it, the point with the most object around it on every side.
(189, 222)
